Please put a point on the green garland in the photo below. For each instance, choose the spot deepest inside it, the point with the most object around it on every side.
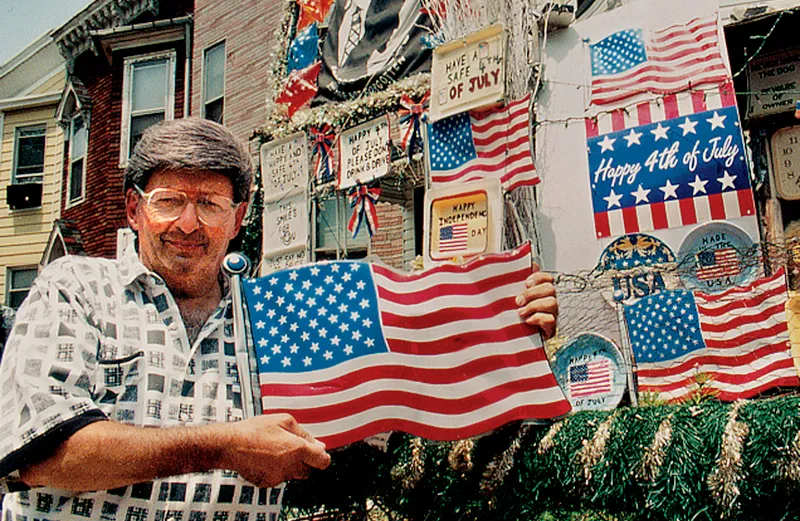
(668, 462)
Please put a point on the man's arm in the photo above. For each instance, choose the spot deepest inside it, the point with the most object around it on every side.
(537, 304)
(265, 450)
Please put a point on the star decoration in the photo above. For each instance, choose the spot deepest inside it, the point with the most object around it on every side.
(613, 199)
(660, 132)
(607, 144)
(633, 138)
(670, 190)
(641, 195)
(698, 185)
(727, 181)
(688, 126)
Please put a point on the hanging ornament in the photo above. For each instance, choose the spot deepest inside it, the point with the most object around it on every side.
(312, 11)
(323, 141)
(411, 124)
(362, 201)
(300, 88)
(304, 49)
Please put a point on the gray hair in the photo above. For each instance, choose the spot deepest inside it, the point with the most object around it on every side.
(191, 144)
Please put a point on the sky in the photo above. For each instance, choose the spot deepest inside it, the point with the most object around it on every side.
(23, 21)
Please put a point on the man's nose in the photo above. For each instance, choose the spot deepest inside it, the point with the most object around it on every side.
(187, 221)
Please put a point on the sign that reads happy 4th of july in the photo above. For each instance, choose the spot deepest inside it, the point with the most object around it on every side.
(669, 164)
(364, 153)
(284, 165)
(468, 73)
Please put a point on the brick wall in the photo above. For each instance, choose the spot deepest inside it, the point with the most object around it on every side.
(248, 28)
(103, 211)
(387, 243)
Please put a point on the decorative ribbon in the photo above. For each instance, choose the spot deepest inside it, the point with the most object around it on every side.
(323, 141)
(411, 121)
(362, 201)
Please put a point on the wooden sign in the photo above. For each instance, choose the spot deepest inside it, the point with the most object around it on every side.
(773, 81)
(284, 166)
(463, 221)
(469, 73)
(284, 260)
(364, 153)
(286, 225)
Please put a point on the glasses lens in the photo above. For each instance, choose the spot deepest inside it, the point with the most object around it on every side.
(167, 205)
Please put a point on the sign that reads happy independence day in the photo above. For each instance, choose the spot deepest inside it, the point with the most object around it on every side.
(666, 164)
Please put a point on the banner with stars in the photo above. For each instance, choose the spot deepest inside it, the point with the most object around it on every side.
(353, 349)
(673, 162)
(739, 338)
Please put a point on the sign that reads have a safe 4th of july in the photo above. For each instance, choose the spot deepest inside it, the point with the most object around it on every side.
(284, 165)
(364, 153)
(468, 73)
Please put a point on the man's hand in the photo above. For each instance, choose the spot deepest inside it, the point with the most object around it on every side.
(270, 449)
(537, 304)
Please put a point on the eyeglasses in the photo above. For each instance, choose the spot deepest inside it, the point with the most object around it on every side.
(165, 204)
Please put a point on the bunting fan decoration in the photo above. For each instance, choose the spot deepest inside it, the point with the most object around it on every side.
(362, 201)
(312, 11)
(300, 88)
(411, 121)
(323, 141)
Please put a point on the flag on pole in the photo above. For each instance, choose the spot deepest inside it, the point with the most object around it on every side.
(674, 162)
(673, 59)
(352, 349)
(487, 144)
(738, 337)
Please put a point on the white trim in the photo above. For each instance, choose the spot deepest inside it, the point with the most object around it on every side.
(203, 101)
(28, 102)
(2, 134)
(69, 203)
(171, 57)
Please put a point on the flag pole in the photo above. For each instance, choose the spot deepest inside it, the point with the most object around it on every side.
(627, 353)
(236, 264)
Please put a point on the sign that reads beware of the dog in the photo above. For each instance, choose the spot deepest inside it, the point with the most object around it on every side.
(364, 153)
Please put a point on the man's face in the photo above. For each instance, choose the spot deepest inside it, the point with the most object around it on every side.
(185, 252)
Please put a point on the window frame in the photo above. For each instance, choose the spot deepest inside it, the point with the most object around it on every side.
(9, 279)
(35, 178)
(346, 247)
(69, 201)
(204, 84)
(130, 63)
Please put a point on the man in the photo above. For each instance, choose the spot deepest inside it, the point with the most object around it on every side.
(119, 387)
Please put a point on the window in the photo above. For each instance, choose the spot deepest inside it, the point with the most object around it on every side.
(214, 82)
(333, 240)
(77, 160)
(29, 155)
(148, 97)
(19, 282)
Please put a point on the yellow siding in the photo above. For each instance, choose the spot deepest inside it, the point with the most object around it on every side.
(24, 233)
(54, 84)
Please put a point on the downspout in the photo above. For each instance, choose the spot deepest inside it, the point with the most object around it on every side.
(187, 65)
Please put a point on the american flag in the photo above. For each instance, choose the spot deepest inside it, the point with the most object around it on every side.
(676, 58)
(453, 238)
(738, 337)
(488, 144)
(590, 378)
(352, 349)
(656, 138)
(713, 264)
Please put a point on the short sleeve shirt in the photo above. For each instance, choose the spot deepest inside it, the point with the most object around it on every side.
(101, 339)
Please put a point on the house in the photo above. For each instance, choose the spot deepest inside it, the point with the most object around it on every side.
(128, 66)
(31, 151)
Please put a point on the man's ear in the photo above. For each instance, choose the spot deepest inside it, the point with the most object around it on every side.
(132, 208)
(241, 212)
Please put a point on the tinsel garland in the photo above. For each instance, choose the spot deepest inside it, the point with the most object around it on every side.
(668, 462)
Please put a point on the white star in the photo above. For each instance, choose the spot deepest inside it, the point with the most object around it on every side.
(286, 361)
(305, 336)
(293, 275)
(262, 342)
(717, 121)
(351, 294)
(367, 322)
(290, 308)
(344, 326)
(271, 313)
(333, 318)
(641, 195)
(698, 185)
(669, 190)
(323, 332)
(318, 291)
(356, 335)
(259, 306)
(288, 287)
(293, 327)
(328, 355)
(727, 180)
(633, 138)
(268, 295)
(364, 303)
(328, 280)
(613, 199)
(284, 338)
(335, 268)
(331, 299)
(307, 361)
(315, 347)
(607, 144)
(360, 284)
(335, 340)
(346, 277)
(688, 126)
(302, 313)
(313, 323)
(348, 349)
(660, 132)
(299, 295)
(273, 331)
(314, 270)
(311, 302)
(276, 350)
(294, 348)
(338, 288)
(354, 266)
(322, 311)
(369, 342)
(260, 324)
(280, 301)
(342, 308)
(272, 281)
(256, 290)
(354, 316)
(306, 284)
(282, 320)
(265, 359)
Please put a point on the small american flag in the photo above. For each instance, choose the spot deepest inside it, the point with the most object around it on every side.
(590, 378)
(352, 349)
(453, 238)
(713, 264)
(489, 144)
(673, 59)
(738, 337)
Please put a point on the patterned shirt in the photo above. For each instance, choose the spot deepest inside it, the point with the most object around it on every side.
(103, 339)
